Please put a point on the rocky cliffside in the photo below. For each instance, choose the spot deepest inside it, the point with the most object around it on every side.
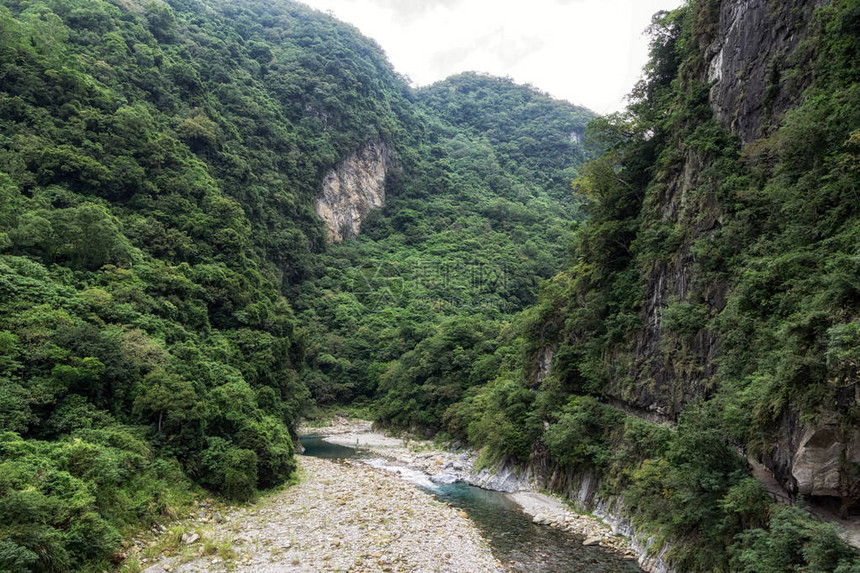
(352, 189)
(747, 50)
(759, 68)
(817, 458)
(753, 67)
(749, 60)
(756, 58)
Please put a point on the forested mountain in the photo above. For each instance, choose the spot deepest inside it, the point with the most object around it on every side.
(710, 314)
(158, 170)
(472, 223)
(534, 136)
(186, 268)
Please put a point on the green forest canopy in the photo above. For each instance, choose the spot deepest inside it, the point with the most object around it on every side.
(159, 164)
(169, 307)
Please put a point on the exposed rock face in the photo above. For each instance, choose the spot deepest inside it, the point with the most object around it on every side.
(352, 189)
(663, 380)
(817, 459)
(544, 364)
(506, 476)
(751, 47)
(754, 46)
(753, 60)
(816, 465)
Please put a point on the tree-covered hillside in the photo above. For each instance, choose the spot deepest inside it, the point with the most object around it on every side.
(158, 168)
(713, 289)
(534, 136)
(479, 211)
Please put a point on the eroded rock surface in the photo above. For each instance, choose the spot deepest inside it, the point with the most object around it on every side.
(823, 459)
(750, 63)
(352, 189)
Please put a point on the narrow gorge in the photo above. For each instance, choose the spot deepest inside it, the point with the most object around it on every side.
(224, 222)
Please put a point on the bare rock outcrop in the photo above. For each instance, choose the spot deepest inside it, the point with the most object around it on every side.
(352, 189)
(818, 462)
(817, 459)
(750, 59)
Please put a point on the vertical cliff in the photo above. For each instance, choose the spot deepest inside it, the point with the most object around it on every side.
(717, 282)
(751, 59)
(352, 189)
(745, 48)
(759, 62)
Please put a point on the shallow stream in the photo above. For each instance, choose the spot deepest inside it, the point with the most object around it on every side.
(518, 543)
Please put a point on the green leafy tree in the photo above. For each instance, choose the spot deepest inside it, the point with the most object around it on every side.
(166, 395)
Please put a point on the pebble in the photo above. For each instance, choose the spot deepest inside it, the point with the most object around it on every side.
(189, 538)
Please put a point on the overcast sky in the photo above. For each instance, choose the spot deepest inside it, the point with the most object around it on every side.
(589, 52)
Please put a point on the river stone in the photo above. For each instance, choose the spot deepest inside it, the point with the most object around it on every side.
(444, 477)
(591, 541)
(189, 538)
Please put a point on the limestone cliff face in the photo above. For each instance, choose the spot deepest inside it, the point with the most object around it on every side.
(352, 189)
(749, 58)
(750, 65)
(755, 44)
(752, 59)
(817, 458)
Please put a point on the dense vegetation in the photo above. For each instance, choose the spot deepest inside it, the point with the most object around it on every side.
(785, 252)
(473, 222)
(169, 307)
(157, 170)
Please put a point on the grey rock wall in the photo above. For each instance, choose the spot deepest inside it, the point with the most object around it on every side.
(749, 60)
(757, 67)
(352, 189)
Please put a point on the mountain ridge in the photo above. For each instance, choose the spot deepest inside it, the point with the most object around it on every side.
(172, 303)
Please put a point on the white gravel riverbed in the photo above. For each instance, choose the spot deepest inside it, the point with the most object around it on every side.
(340, 517)
(424, 457)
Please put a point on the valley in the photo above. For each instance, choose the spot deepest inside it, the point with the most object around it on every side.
(221, 220)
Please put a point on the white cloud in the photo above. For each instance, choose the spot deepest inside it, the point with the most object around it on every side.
(589, 52)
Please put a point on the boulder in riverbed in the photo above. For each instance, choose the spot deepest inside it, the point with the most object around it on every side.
(445, 477)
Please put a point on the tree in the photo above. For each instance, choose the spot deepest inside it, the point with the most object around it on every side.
(166, 395)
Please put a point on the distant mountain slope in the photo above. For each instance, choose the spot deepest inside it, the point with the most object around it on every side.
(478, 211)
(535, 136)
